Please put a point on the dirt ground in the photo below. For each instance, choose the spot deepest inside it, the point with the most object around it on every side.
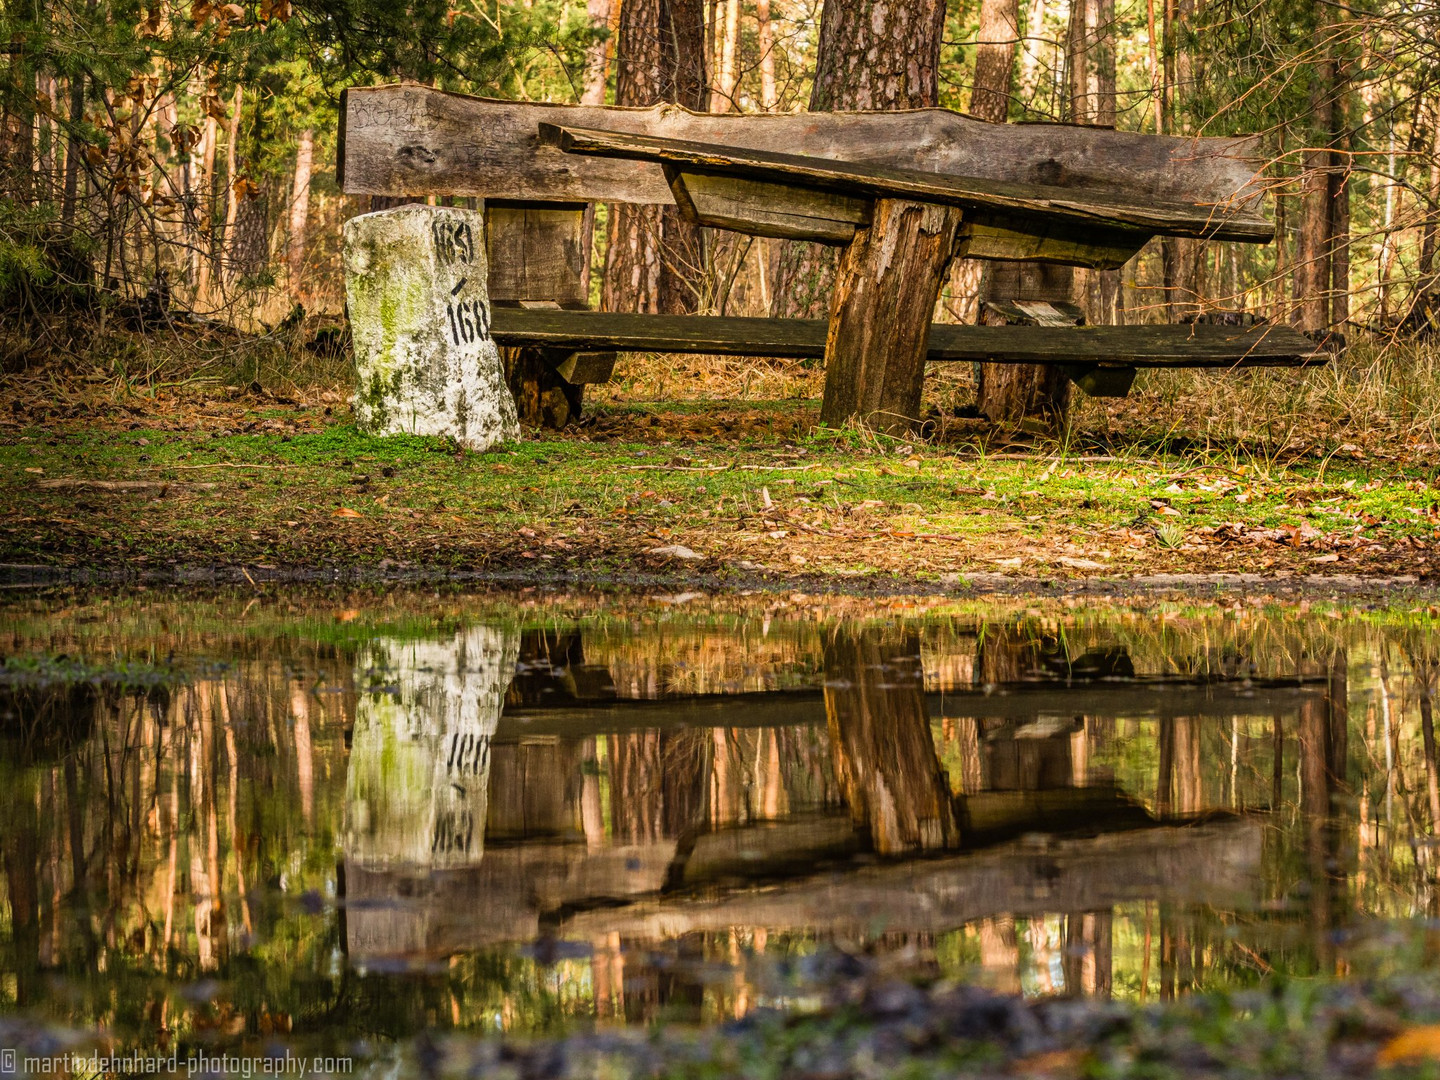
(719, 491)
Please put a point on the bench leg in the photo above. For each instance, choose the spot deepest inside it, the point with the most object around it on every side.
(880, 312)
(542, 398)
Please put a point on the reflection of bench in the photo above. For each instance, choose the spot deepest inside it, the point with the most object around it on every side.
(904, 192)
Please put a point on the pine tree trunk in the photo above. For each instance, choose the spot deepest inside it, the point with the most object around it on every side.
(205, 187)
(1313, 269)
(1091, 63)
(300, 212)
(654, 258)
(873, 55)
(1180, 258)
(722, 98)
(232, 197)
(765, 34)
(597, 56)
(72, 150)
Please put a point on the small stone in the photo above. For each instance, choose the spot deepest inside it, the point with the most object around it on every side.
(674, 551)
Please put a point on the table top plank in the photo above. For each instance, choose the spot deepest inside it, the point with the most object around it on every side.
(999, 201)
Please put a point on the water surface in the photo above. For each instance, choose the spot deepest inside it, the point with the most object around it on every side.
(349, 817)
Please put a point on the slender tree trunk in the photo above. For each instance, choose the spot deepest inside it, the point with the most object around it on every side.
(995, 60)
(727, 18)
(1090, 61)
(884, 753)
(1313, 271)
(765, 34)
(1426, 280)
(232, 196)
(300, 213)
(72, 150)
(654, 259)
(873, 55)
(1179, 258)
(205, 186)
(597, 56)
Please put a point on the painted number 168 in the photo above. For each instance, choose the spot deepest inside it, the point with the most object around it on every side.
(469, 321)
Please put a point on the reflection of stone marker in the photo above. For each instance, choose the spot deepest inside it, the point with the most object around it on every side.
(419, 773)
(415, 283)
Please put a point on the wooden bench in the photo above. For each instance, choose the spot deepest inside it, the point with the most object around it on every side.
(904, 192)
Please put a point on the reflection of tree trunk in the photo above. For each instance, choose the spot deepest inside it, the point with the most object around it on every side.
(880, 732)
(1000, 953)
(1322, 736)
(1432, 767)
(1089, 954)
(657, 784)
(20, 849)
(1189, 785)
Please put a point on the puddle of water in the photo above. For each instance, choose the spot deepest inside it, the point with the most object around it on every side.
(225, 820)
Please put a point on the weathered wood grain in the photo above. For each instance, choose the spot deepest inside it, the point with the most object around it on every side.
(761, 208)
(1118, 346)
(880, 310)
(1013, 202)
(537, 251)
(409, 139)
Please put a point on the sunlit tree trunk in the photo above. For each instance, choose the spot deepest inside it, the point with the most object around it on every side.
(300, 212)
(597, 56)
(873, 55)
(765, 34)
(232, 197)
(727, 18)
(1179, 257)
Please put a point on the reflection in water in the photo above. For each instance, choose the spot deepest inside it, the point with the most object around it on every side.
(419, 770)
(525, 820)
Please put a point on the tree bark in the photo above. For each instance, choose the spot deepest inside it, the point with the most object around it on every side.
(765, 34)
(722, 97)
(300, 212)
(205, 187)
(1180, 258)
(1313, 271)
(995, 60)
(1091, 62)
(880, 317)
(654, 258)
(873, 55)
(597, 56)
(232, 197)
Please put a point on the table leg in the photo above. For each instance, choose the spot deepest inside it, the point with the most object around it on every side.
(885, 292)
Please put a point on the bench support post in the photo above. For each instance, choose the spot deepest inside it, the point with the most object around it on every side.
(885, 292)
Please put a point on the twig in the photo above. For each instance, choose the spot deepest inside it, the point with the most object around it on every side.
(228, 465)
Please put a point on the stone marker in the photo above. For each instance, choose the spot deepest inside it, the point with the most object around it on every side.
(415, 283)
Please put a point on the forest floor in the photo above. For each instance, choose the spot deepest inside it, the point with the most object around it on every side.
(691, 490)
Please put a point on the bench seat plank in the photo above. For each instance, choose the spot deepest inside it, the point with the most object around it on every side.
(1199, 346)
(989, 202)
